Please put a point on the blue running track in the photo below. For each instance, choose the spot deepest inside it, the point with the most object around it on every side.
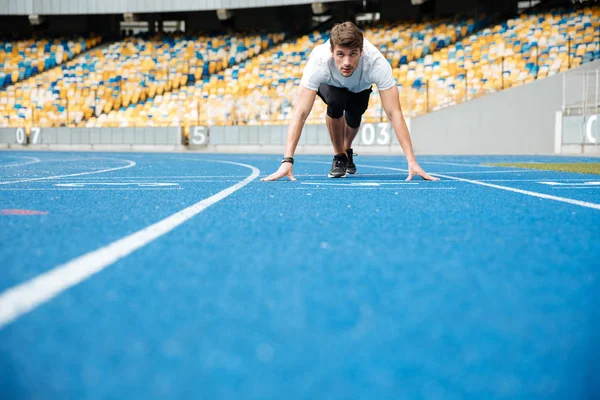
(171, 276)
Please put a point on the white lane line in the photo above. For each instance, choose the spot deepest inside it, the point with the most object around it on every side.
(369, 188)
(510, 189)
(358, 183)
(139, 184)
(202, 177)
(325, 173)
(28, 295)
(342, 184)
(589, 183)
(129, 165)
(511, 171)
(532, 180)
(110, 189)
(458, 164)
(576, 187)
(35, 161)
(100, 181)
(398, 183)
(164, 177)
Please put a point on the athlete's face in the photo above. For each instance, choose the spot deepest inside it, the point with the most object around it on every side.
(346, 59)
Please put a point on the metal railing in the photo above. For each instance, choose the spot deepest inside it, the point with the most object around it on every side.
(581, 92)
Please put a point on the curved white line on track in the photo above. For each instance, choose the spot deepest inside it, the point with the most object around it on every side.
(35, 161)
(27, 296)
(129, 165)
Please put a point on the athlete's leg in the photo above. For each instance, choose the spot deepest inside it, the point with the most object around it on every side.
(336, 98)
(339, 166)
(355, 108)
(336, 128)
(348, 139)
(350, 135)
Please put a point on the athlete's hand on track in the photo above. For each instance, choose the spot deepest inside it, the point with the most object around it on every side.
(415, 169)
(284, 170)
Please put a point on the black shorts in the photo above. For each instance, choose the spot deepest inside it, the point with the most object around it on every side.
(341, 102)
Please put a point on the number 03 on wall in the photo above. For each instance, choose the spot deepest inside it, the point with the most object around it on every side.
(375, 134)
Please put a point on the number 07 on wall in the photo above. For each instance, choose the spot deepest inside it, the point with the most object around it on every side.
(34, 137)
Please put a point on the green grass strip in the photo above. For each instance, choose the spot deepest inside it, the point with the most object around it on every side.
(583, 168)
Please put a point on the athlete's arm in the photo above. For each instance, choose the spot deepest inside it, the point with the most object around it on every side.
(304, 103)
(393, 110)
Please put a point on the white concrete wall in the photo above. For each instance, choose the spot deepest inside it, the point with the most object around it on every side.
(519, 120)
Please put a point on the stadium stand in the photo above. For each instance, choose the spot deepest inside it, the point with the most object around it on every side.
(520, 50)
(24, 58)
(122, 75)
(435, 67)
(182, 80)
(260, 90)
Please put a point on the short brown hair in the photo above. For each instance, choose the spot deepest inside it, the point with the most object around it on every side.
(346, 34)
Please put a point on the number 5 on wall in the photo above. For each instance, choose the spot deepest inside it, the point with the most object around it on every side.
(199, 136)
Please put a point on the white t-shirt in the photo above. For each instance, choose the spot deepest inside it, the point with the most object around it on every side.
(372, 68)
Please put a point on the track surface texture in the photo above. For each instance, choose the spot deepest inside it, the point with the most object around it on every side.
(142, 276)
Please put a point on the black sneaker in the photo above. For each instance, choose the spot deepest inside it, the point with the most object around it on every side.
(338, 167)
(351, 166)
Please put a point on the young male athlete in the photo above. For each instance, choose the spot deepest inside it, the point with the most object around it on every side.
(341, 72)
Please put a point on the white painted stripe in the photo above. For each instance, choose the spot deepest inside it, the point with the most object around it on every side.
(458, 164)
(511, 171)
(363, 183)
(35, 161)
(226, 178)
(25, 297)
(398, 183)
(161, 177)
(129, 165)
(576, 187)
(109, 189)
(531, 180)
(341, 184)
(100, 181)
(586, 183)
(369, 188)
(141, 184)
(451, 172)
(510, 189)
(324, 174)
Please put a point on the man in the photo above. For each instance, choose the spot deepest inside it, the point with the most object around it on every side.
(341, 73)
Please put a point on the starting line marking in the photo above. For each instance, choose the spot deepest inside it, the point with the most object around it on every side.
(358, 183)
